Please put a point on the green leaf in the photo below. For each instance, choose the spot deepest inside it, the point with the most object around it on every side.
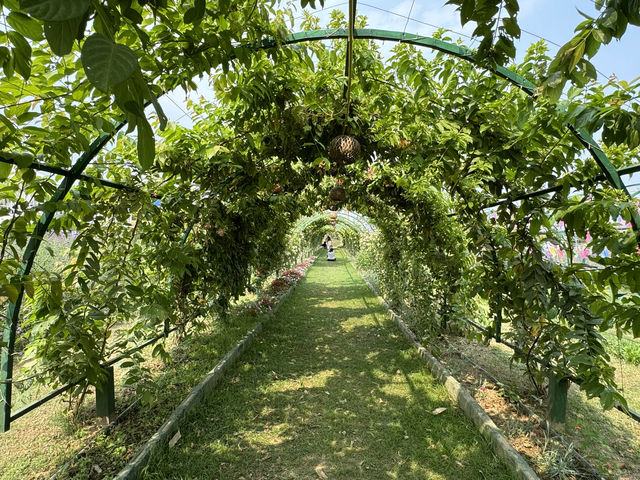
(25, 25)
(9, 291)
(196, 13)
(133, 15)
(7, 123)
(61, 35)
(28, 175)
(21, 54)
(23, 160)
(511, 27)
(5, 170)
(28, 288)
(55, 10)
(56, 291)
(107, 63)
(146, 144)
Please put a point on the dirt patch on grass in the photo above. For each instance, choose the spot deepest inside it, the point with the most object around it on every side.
(610, 441)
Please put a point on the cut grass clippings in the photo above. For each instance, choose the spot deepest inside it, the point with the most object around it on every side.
(330, 389)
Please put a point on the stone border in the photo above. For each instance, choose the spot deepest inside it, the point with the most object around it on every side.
(160, 440)
(519, 468)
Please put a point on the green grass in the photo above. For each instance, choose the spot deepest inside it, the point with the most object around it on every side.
(329, 388)
(625, 348)
(44, 439)
(609, 440)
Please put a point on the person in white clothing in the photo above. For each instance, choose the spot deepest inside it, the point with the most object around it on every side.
(331, 255)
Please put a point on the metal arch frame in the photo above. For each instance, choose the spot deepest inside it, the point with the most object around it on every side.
(360, 219)
(354, 219)
(6, 367)
(13, 312)
(339, 226)
(609, 171)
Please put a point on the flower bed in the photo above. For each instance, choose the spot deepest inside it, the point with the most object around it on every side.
(278, 287)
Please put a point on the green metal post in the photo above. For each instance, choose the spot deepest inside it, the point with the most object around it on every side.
(13, 312)
(557, 406)
(444, 315)
(106, 396)
(498, 319)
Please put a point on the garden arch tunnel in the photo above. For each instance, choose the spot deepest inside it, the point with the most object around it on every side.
(610, 174)
(347, 225)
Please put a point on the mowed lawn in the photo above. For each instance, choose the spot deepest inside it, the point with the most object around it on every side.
(330, 390)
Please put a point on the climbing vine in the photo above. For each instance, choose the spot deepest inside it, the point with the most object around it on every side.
(210, 209)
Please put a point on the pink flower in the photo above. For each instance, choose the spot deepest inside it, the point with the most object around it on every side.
(577, 427)
(560, 224)
(588, 238)
(483, 388)
(608, 464)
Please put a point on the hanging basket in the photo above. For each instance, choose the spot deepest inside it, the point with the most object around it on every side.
(338, 194)
(344, 149)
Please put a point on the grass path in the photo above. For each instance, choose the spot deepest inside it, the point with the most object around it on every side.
(329, 390)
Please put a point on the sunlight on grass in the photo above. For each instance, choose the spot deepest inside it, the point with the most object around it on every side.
(329, 389)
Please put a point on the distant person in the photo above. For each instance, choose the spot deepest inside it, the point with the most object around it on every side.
(331, 255)
(328, 242)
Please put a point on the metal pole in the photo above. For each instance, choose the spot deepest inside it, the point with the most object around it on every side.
(13, 313)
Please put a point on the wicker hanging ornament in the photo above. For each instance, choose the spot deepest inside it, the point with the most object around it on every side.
(338, 194)
(333, 215)
(344, 149)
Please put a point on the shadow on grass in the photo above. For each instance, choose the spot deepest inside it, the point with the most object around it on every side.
(329, 390)
(601, 436)
(191, 360)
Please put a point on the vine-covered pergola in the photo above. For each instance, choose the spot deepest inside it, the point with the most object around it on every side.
(443, 139)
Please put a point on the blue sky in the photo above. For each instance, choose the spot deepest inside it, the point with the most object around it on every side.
(553, 20)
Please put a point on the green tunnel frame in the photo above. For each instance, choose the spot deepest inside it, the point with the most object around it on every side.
(355, 220)
(346, 221)
(76, 171)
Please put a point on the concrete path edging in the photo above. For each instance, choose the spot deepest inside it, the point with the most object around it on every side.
(160, 440)
(518, 466)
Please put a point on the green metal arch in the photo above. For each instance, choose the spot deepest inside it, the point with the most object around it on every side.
(314, 35)
(354, 224)
(463, 53)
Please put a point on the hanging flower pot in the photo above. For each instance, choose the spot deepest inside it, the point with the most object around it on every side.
(344, 149)
(338, 194)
